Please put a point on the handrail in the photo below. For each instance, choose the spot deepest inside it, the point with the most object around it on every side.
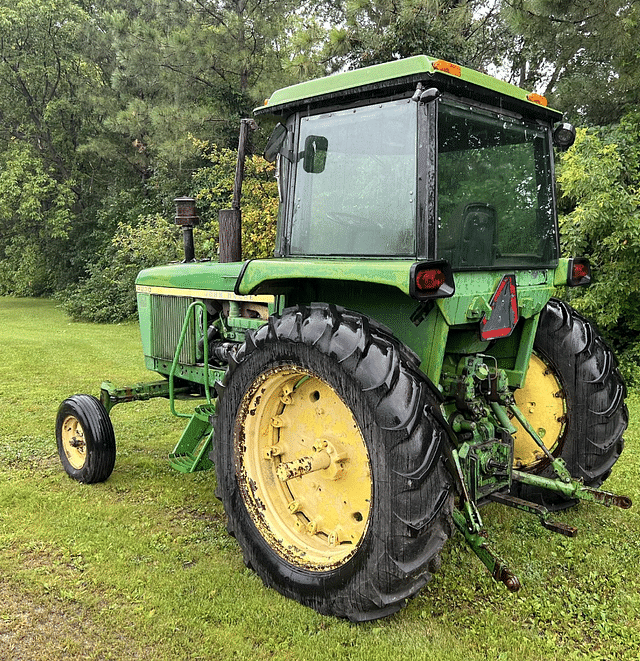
(176, 357)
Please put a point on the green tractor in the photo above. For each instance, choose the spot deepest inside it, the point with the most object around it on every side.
(401, 361)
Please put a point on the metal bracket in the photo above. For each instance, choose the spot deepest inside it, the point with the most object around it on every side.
(110, 395)
(573, 489)
(557, 463)
(533, 508)
(565, 484)
(469, 523)
(480, 460)
(202, 328)
(192, 450)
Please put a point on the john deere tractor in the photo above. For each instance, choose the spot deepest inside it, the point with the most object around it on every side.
(401, 361)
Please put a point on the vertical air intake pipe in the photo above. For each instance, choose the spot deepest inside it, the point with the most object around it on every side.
(187, 219)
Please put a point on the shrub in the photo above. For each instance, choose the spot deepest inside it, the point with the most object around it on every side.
(108, 294)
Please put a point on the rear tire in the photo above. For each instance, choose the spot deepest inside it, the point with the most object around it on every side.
(360, 534)
(592, 394)
(85, 438)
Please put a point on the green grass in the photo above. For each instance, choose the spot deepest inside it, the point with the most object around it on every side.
(141, 567)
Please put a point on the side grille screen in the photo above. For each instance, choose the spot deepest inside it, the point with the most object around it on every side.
(167, 317)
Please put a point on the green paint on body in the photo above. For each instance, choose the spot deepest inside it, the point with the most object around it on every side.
(379, 74)
(270, 274)
(193, 275)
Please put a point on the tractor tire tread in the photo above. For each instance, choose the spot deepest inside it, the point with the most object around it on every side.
(411, 525)
(595, 392)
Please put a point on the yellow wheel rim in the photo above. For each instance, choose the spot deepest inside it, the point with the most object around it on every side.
(73, 442)
(543, 402)
(303, 468)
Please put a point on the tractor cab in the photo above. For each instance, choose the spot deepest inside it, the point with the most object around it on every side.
(415, 173)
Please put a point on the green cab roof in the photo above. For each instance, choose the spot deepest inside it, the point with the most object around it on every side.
(381, 75)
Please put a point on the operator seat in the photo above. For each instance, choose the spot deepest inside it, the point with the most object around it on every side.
(468, 237)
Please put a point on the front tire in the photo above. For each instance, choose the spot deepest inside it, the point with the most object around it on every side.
(85, 438)
(329, 463)
(575, 394)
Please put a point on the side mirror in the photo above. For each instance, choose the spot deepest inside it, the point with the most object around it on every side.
(315, 153)
(274, 145)
(430, 95)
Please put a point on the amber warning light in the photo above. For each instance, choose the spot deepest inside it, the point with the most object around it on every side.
(538, 98)
(431, 280)
(447, 67)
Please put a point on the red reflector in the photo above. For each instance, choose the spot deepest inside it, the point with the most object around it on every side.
(430, 279)
(504, 311)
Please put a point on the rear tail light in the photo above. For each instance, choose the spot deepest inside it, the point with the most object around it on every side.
(431, 280)
(579, 273)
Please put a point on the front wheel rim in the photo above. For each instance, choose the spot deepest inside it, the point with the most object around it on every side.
(73, 442)
(303, 468)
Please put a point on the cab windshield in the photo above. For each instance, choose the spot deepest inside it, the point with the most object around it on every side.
(495, 191)
(355, 182)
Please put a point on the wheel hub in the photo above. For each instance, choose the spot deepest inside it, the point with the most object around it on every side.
(303, 468)
(73, 442)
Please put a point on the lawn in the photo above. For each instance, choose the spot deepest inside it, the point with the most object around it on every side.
(141, 567)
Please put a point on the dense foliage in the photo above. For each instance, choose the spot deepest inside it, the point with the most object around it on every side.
(99, 106)
(213, 184)
(108, 292)
(600, 183)
(108, 111)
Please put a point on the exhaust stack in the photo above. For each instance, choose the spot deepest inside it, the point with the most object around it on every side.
(230, 220)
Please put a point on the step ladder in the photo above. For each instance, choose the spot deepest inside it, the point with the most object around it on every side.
(192, 450)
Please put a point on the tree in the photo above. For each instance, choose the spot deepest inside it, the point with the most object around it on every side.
(35, 220)
(194, 67)
(381, 30)
(41, 81)
(582, 55)
(54, 93)
(213, 186)
(108, 294)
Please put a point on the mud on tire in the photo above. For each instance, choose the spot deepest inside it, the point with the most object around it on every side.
(326, 372)
(594, 393)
